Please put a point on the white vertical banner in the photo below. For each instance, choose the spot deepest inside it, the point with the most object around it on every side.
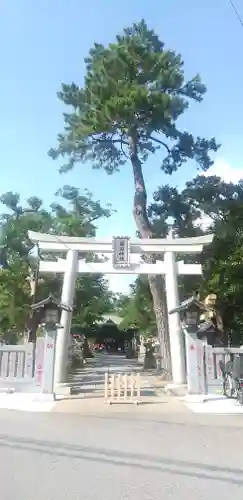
(209, 365)
(47, 381)
(201, 367)
(39, 360)
(191, 364)
(196, 383)
(220, 357)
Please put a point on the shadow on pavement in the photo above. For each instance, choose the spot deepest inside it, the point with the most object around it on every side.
(90, 379)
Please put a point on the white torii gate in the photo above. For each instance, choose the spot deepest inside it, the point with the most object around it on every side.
(125, 252)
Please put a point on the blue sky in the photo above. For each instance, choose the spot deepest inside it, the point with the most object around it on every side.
(44, 43)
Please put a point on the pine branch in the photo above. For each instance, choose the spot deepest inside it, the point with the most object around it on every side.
(161, 143)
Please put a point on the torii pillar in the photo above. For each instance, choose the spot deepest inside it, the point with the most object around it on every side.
(63, 333)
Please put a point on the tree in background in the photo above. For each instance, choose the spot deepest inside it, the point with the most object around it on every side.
(14, 298)
(93, 299)
(137, 308)
(206, 204)
(73, 214)
(134, 94)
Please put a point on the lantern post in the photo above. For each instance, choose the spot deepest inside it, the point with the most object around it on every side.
(49, 311)
(190, 311)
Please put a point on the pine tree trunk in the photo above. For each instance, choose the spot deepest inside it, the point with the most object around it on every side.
(156, 283)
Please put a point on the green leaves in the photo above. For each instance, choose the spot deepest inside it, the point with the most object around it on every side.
(205, 201)
(93, 294)
(133, 85)
(74, 214)
(10, 200)
(208, 204)
(137, 309)
(14, 297)
(188, 148)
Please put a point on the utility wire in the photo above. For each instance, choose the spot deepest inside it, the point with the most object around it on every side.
(236, 12)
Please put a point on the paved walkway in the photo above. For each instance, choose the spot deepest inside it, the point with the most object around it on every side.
(88, 387)
(90, 380)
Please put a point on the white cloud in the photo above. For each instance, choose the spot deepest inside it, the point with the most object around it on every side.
(223, 169)
(229, 174)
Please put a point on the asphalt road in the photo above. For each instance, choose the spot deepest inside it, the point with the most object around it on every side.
(72, 457)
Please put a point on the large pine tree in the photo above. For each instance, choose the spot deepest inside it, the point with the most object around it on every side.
(133, 95)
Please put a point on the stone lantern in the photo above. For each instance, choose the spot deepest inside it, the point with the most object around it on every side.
(48, 312)
(190, 311)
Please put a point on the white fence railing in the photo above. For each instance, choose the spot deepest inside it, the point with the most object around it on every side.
(213, 356)
(204, 374)
(16, 361)
(28, 367)
(122, 388)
